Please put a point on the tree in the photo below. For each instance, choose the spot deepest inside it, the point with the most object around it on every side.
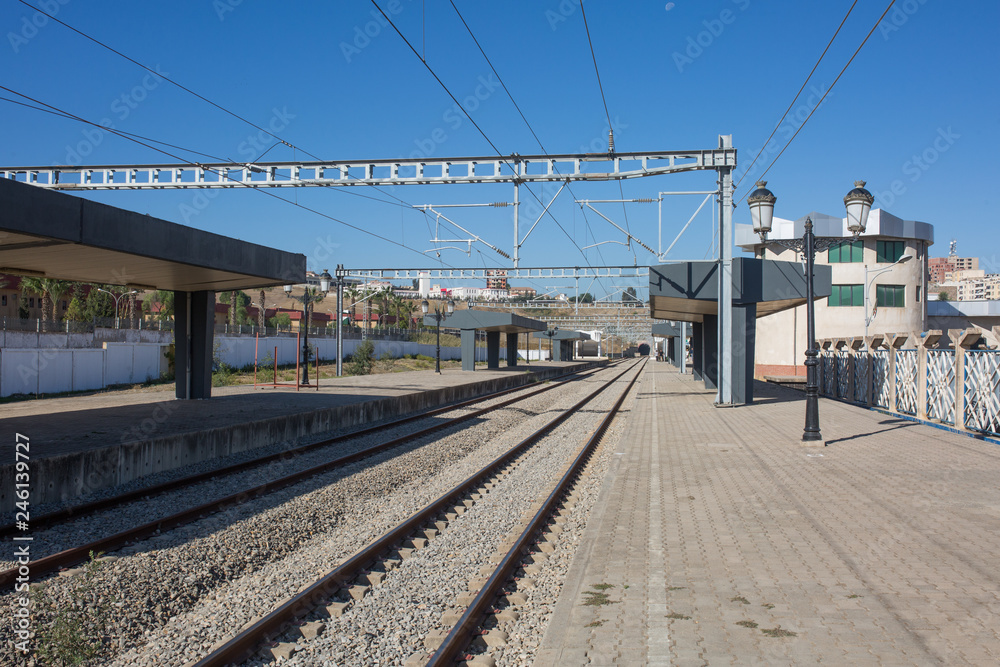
(629, 296)
(159, 304)
(76, 311)
(363, 359)
(944, 296)
(261, 310)
(281, 321)
(355, 295)
(586, 297)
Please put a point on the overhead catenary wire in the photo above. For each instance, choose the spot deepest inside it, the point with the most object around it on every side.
(796, 97)
(503, 158)
(523, 118)
(250, 186)
(600, 86)
(210, 102)
(818, 104)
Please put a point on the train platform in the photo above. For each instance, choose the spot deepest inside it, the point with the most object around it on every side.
(726, 540)
(81, 444)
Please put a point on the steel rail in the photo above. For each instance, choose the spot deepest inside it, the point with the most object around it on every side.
(74, 555)
(245, 643)
(462, 633)
(78, 511)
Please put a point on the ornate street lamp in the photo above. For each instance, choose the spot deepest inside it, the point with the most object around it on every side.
(858, 203)
(308, 298)
(438, 316)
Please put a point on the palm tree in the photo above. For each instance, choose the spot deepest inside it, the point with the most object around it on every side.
(355, 295)
(232, 308)
(260, 311)
(32, 286)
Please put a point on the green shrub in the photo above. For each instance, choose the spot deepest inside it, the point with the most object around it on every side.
(362, 362)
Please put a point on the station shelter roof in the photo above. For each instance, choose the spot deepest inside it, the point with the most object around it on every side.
(688, 291)
(484, 320)
(54, 235)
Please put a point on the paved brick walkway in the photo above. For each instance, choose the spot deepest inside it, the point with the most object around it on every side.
(717, 525)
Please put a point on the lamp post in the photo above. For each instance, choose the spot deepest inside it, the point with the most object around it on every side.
(550, 333)
(310, 296)
(438, 316)
(868, 285)
(858, 203)
(116, 297)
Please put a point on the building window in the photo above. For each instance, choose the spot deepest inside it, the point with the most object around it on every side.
(889, 296)
(31, 302)
(3, 300)
(64, 305)
(918, 294)
(847, 295)
(846, 252)
(887, 252)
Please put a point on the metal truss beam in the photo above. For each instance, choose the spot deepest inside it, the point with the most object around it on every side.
(511, 169)
(522, 273)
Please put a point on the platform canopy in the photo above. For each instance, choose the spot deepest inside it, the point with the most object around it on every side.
(53, 235)
(484, 320)
(563, 334)
(665, 329)
(688, 291)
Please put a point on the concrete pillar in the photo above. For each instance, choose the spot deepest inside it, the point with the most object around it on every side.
(512, 349)
(468, 349)
(697, 354)
(492, 349)
(963, 342)
(873, 344)
(194, 328)
(744, 339)
(710, 351)
(676, 350)
(896, 342)
(929, 341)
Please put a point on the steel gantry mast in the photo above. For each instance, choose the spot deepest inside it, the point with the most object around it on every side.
(514, 169)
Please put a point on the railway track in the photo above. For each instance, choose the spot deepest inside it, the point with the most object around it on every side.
(68, 557)
(86, 509)
(338, 589)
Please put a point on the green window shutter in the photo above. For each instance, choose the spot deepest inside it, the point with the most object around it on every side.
(857, 295)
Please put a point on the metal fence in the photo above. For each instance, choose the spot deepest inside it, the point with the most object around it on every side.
(66, 326)
(954, 385)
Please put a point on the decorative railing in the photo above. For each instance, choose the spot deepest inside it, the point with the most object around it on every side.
(926, 376)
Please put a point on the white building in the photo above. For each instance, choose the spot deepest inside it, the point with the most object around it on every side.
(867, 281)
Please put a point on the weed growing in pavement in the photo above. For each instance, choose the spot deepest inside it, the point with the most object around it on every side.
(595, 624)
(767, 605)
(779, 632)
(740, 598)
(854, 595)
(73, 629)
(598, 598)
(746, 624)
(678, 617)
(676, 588)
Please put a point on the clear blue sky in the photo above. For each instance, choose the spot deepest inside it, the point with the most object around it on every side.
(917, 111)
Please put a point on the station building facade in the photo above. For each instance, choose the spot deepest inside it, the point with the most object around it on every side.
(896, 291)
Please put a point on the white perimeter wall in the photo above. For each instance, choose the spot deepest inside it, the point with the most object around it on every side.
(56, 370)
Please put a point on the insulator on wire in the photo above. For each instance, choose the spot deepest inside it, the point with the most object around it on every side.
(645, 201)
(500, 204)
(611, 141)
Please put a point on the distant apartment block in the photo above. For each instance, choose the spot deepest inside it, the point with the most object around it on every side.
(939, 267)
(522, 292)
(496, 279)
(979, 288)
